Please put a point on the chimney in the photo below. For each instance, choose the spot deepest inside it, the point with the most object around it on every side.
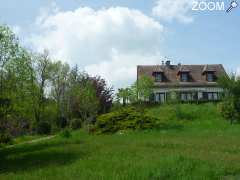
(168, 63)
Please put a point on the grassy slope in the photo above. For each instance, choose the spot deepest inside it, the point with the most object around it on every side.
(204, 148)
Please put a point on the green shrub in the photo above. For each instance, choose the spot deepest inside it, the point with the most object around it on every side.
(43, 127)
(228, 110)
(124, 119)
(5, 138)
(66, 133)
(76, 124)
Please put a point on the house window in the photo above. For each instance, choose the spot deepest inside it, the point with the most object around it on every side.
(160, 97)
(186, 96)
(213, 96)
(210, 77)
(184, 77)
(158, 77)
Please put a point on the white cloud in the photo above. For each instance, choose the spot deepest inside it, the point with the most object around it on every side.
(121, 70)
(170, 10)
(109, 42)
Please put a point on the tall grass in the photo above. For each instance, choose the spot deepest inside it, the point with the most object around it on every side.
(204, 147)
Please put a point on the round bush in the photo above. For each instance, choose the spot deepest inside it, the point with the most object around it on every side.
(43, 127)
(76, 124)
(124, 119)
(228, 110)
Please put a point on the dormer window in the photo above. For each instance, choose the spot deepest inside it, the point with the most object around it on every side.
(158, 76)
(184, 73)
(210, 77)
(184, 77)
(209, 72)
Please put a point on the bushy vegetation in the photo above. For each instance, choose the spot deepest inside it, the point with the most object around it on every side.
(5, 138)
(66, 133)
(38, 94)
(140, 91)
(76, 123)
(185, 112)
(205, 147)
(230, 107)
(43, 127)
(124, 119)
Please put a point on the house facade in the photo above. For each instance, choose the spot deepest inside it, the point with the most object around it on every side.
(184, 82)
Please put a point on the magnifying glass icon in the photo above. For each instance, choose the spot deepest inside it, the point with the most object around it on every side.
(233, 5)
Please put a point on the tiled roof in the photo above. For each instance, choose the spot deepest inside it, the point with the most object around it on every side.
(208, 68)
(172, 78)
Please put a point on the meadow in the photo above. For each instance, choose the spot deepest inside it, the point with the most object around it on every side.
(194, 142)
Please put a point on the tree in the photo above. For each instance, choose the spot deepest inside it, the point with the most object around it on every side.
(19, 85)
(124, 95)
(43, 74)
(34, 90)
(230, 108)
(85, 103)
(59, 83)
(9, 49)
(103, 93)
(143, 88)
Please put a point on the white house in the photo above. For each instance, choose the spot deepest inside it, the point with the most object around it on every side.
(188, 82)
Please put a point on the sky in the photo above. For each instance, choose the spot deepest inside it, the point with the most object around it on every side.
(110, 38)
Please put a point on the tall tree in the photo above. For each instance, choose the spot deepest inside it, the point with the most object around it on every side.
(103, 93)
(59, 81)
(8, 50)
(43, 74)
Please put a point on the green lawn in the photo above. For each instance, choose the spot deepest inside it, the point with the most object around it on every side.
(203, 146)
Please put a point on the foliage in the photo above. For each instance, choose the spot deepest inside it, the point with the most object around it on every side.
(76, 123)
(103, 93)
(143, 88)
(8, 47)
(43, 127)
(206, 148)
(124, 119)
(62, 122)
(5, 138)
(35, 89)
(230, 108)
(59, 81)
(140, 91)
(124, 95)
(84, 103)
(181, 113)
(66, 133)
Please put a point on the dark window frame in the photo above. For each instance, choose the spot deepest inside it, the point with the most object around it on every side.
(186, 96)
(214, 96)
(210, 77)
(184, 77)
(158, 76)
(160, 95)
